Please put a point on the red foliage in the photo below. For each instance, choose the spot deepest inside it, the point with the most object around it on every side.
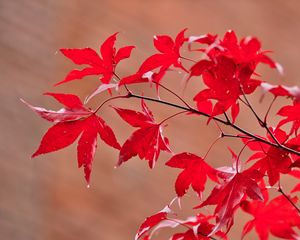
(227, 66)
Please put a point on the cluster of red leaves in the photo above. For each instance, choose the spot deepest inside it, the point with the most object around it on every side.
(227, 67)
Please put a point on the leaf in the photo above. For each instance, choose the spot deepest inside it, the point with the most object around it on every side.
(198, 68)
(103, 65)
(152, 221)
(59, 136)
(85, 126)
(147, 141)
(123, 53)
(74, 109)
(277, 217)
(199, 229)
(69, 100)
(228, 71)
(169, 55)
(281, 90)
(291, 114)
(227, 197)
(194, 174)
(198, 226)
(270, 160)
(100, 89)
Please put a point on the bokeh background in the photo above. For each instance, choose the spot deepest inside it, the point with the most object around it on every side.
(46, 198)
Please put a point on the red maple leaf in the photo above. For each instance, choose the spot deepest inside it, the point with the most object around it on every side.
(271, 160)
(292, 114)
(147, 141)
(152, 221)
(228, 195)
(277, 217)
(73, 109)
(281, 90)
(74, 121)
(195, 173)
(169, 55)
(227, 71)
(200, 228)
(104, 65)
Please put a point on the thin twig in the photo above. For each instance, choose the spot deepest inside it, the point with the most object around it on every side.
(261, 122)
(174, 115)
(107, 100)
(288, 198)
(175, 94)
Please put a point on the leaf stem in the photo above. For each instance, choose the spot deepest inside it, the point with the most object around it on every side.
(188, 59)
(288, 198)
(174, 115)
(109, 99)
(261, 122)
(175, 94)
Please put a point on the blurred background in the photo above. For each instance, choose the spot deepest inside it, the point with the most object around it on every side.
(47, 198)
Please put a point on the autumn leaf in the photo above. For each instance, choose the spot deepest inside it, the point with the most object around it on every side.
(199, 228)
(151, 222)
(103, 65)
(269, 159)
(228, 195)
(228, 70)
(147, 141)
(277, 217)
(291, 114)
(169, 56)
(281, 90)
(82, 124)
(194, 174)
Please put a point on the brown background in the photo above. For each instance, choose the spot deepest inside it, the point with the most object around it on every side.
(46, 198)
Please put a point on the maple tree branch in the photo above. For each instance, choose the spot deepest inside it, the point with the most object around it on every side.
(188, 59)
(225, 122)
(117, 76)
(261, 122)
(288, 198)
(269, 108)
(211, 146)
(174, 115)
(239, 155)
(172, 92)
(234, 136)
(107, 100)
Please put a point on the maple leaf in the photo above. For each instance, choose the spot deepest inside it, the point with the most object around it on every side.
(269, 159)
(198, 226)
(195, 173)
(208, 39)
(71, 123)
(292, 114)
(169, 55)
(98, 65)
(281, 90)
(227, 71)
(73, 110)
(228, 195)
(225, 82)
(277, 217)
(147, 141)
(153, 221)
